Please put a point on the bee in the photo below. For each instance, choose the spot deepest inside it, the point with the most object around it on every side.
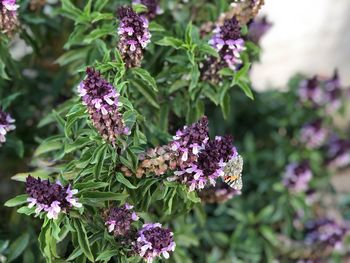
(233, 172)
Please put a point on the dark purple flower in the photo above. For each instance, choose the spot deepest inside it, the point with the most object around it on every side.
(8, 16)
(134, 36)
(310, 91)
(6, 125)
(258, 28)
(297, 176)
(313, 134)
(228, 42)
(338, 152)
(326, 233)
(52, 198)
(219, 193)
(119, 219)
(153, 8)
(102, 101)
(333, 93)
(154, 241)
(209, 165)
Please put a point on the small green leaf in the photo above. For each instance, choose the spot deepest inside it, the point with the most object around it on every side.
(18, 200)
(107, 255)
(17, 247)
(246, 89)
(83, 239)
(104, 196)
(145, 77)
(139, 8)
(48, 145)
(121, 179)
(170, 41)
(208, 50)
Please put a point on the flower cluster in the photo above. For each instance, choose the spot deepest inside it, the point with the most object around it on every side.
(219, 193)
(209, 165)
(119, 219)
(154, 241)
(258, 28)
(6, 125)
(333, 93)
(52, 198)
(310, 91)
(102, 102)
(297, 176)
(134, 36)
(153, 8)
(8, 16)
(338, 152)
(313, 135)
(326, 233)
(228, 42)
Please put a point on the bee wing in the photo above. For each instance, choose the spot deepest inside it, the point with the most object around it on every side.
(238, 184)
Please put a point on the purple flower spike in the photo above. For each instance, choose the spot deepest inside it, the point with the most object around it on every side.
(228, 42)
(6, 125)
(297, 177)
(338, 152)
(326, 233)
(152, 6)
(154, 241)
(209, 165)
(333, 93)
(313, 135)
(8, 16)
(310, 92)
(102, 101)
(119, 219)
(258, 28)
(52, 198)
(134, 36)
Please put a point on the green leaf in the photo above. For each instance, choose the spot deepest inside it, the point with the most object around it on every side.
(17, 247)
(26, 210)
(121, 179)
(100, 157)
(90, 185)
(69, 10)
(83, 239)
(107, 255)
(226, 105)
(145, 77)
(155, 27)
(48, 145)
(208, 50)
(18, 200)
(139, 8)
(104, 196)
(246, 89)
(99, 33)
(170, 41)
(195, 74)
(188, 34)
(39, 173)
(76, 253)
(268, 233)
(148, 93)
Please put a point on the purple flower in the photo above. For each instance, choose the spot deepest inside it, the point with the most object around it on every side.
(326, 233)
(8, 16)
(228, 42)
(189, 140)
(154, 241)
(219, 193)
(102, 101)
(313, 135)
(153, 8)
(134, 36)
(297, 177)
(310, 91)
(119, 219)
(333, 93)
(209, 165)
(258, 28)
(52, 198)
(6, 125)
(338, 152)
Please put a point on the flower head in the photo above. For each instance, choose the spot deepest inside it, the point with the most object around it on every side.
(313, 135)
(297, 176)
(258, 28)
(134, 36)
(154, 241)
(8, 16)
(310, 91)
(6, 125)
(52, 198)
(102, 101)
(119, 219)
(209, 165)
(153, 8)
(338, 152)
(326, 233)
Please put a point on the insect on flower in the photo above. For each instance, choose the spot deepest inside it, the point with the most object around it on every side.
(233, 172)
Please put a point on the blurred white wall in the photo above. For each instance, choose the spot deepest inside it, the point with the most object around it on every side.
(308, 36)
